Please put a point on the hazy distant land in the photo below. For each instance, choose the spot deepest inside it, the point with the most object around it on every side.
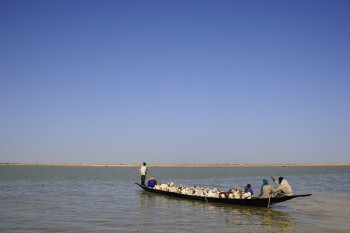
(181, 165)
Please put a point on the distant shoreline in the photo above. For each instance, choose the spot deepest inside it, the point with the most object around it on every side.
(179, 165)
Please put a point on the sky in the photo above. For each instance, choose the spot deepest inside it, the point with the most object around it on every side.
(171, 82)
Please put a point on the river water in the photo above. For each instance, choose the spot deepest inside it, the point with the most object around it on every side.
(106, 199)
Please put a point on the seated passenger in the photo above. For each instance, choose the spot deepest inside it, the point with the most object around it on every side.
(266, 190)
(246, 194)
(283, 188)
(250, 189)
(152, 182)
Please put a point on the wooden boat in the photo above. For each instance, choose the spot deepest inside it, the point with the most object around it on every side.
(265, 202)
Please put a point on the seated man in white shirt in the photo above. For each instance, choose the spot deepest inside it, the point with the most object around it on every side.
(283, 188)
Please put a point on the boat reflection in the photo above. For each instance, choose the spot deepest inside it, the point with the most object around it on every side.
(216, 215)
(255, 219)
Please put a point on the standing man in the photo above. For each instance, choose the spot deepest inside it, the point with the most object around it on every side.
(283, 188)
(143, 171)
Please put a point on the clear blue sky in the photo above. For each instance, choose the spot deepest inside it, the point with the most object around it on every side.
(174, 81)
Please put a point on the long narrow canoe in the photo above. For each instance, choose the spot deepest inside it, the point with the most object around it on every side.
(247, 202)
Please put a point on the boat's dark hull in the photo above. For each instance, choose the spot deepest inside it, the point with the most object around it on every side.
(247, 202)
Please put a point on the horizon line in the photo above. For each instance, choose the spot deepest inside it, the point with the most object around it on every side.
(178, 165)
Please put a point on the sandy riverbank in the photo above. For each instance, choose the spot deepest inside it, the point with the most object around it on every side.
(180, 165)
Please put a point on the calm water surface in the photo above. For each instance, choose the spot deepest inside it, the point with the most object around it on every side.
(105, 199)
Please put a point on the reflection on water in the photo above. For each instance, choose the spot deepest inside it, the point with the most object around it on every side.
(143, 209)
(215, 215)
(254, 218)
(267, 219)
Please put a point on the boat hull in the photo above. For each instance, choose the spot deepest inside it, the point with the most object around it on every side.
(263, 202)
